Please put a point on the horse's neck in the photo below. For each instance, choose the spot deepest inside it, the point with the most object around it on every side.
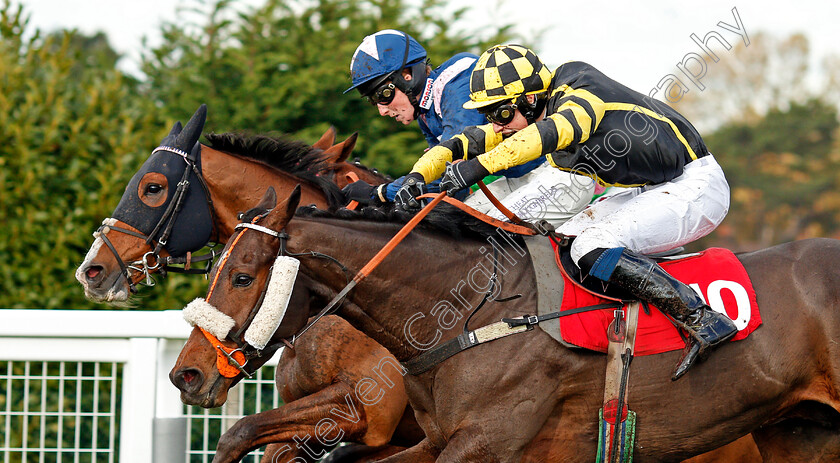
(237, 184)
(341, 171)
(424, 289)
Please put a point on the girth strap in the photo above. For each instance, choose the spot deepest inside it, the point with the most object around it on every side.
(531, 320)
(508, 326)
(425, 361)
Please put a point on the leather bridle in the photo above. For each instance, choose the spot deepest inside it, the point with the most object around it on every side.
(231, 361)
(152, 260)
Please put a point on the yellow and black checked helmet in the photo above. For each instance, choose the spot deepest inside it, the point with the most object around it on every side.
(505, 72)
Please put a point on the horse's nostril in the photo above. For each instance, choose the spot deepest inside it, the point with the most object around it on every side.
(189, 376)
(188, 380)
(92, 272)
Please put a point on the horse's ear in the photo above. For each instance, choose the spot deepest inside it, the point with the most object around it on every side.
(326, 140)
(192, 131)
(340, 152)
(293, 201)
(170, 139)
(269, 199)
(195, 153)
(176, 129)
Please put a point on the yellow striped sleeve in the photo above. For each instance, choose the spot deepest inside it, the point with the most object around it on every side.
(491, 139)
(576, 118)
(432, 164)
(472, 142)
(519, 148)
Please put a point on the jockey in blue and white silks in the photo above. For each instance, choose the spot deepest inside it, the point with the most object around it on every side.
(390, 69)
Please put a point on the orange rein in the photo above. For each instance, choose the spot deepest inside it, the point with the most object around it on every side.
(509, 227)
(436, 199)
(516, 229)
(404, 231)
(376, 260)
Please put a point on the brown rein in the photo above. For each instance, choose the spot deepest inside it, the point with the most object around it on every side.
(408, 227)
(509, 227)
(375, 261)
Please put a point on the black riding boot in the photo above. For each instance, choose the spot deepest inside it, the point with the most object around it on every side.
(646, 280)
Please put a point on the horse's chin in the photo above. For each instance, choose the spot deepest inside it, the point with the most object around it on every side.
(114, 295)
(215, 396)
(112, 289)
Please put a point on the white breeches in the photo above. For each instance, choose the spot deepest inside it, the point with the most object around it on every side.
(544, 193)
(654, 218)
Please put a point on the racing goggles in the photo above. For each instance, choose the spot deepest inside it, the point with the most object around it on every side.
(383, 95)
(500, 113)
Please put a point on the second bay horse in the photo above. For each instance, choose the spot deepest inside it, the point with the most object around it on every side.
(526, 398)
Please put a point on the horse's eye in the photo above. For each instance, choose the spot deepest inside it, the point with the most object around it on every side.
(242, 280)
(153, 189)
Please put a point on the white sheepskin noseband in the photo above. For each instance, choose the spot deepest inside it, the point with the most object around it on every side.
(273, 308)
(200, 313)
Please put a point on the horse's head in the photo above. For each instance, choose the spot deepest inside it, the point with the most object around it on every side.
(341, 172)
(243, 318)
(164, 211)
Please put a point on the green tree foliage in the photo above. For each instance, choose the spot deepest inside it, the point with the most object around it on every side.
(749, 80)
(776, 138)
(283, 67)
(784, 172)
(75, 128)
(68, 131)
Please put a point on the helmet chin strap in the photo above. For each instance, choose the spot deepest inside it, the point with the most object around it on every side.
(531, 111)
(414, 87)
(418, 79)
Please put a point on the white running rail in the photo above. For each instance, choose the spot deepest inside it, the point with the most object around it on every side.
(93, 386)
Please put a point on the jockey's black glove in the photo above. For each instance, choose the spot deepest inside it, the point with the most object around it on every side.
(460, 175)
(413, 186)
(362, 192)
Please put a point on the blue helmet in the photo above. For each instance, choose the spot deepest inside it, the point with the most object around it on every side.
(383, 54)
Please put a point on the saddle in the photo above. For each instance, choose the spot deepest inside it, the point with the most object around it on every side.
(715, 273)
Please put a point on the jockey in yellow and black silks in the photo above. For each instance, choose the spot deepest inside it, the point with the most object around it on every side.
(582, 121)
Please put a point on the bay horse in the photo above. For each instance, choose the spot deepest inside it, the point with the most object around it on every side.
(236, 169)
(525, 397)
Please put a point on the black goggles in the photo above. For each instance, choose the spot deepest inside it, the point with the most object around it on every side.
(500, 113)
(384, 94)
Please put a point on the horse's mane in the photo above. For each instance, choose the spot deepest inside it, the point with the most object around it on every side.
(293, 157)
(305, 162)
(445, 219)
